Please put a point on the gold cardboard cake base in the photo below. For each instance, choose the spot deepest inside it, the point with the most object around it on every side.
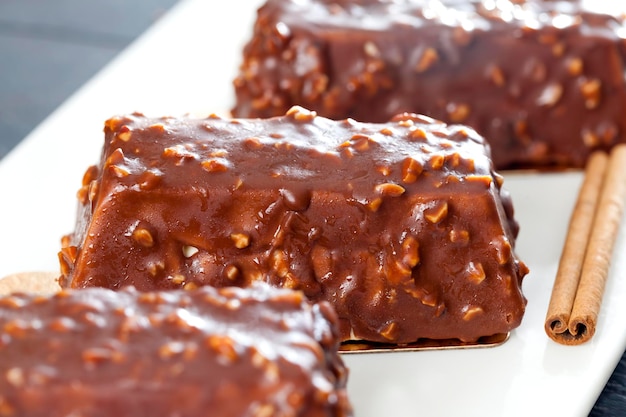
(422, 344)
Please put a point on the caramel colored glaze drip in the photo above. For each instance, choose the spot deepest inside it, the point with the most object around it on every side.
(259, 351)
(403, 227)
(543, 81)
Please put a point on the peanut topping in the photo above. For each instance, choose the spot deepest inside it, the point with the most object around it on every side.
(124, 136)
(521, 131)
(6, 409)
(437, 161)
(437, 213)
(223, 346)
(189, 251)
(371, 50)
(476, 272)
(427, 60)
(155, 268)
(504, 250)
(149, 180)
(301, 114)
(374, 205)
(575, 67)
(91, 174)
(15, 377)
(278, 262)
(550, 95)
(496, 75)
(458, 112)
(454, 160)
(390, 331)
(118, 171)
(61, 325)
(590, 138)
(411, 169)
(157, 127)
(95, 356)
(389, 189)
(472, 312)
(92, 192)
(591, 91)
(241, 240)
(558, 49)
(406, 123)
(114, 123)
(384, 170)
(253, 143)
(417, 133)
(410, 247)
(11, 302)
(143, 237)
(178, 279)
(486, 180)
(190, 286)
(387, 131)
(170, 349)
(264, 410)
(360, 142)
(536, 70)
(231, 272)
(425, 297)
(116, 157)
(214, 165)
(459, 236)
(321, 259)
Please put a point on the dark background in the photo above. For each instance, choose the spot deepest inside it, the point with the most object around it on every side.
(49, 48)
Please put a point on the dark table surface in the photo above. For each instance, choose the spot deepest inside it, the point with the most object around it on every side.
(49, 48)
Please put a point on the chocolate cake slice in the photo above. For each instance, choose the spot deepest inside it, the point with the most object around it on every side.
(403, 227)
(259, 351)
(542, 80)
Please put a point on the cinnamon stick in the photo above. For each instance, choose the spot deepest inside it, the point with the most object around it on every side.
(584, 264)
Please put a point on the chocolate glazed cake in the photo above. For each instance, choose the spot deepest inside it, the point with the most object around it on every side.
(403, 227)
(542, 80)
(258, 352)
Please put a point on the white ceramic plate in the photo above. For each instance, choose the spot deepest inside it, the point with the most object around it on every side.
(186, 63)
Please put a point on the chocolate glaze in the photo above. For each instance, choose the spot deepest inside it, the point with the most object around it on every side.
(259, 351)
(543, 81)
(403, 226)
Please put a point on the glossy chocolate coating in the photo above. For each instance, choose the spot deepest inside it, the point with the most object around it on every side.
(543, 81)
(402, 226)
(260, 351)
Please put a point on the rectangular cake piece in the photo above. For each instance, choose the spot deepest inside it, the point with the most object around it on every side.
(403, 227)
(260, 351)
(542, 80)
